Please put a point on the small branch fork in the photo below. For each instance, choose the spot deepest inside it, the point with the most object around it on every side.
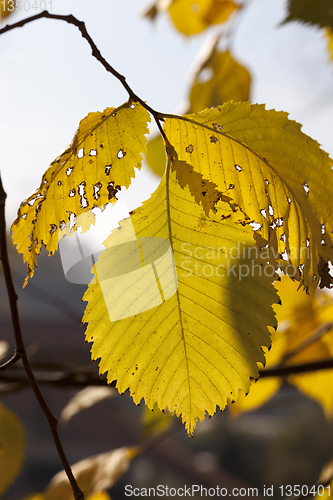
(20, 351)
(158, 117)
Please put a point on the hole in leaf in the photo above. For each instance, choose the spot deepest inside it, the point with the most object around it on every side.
(24, 216)
(263, 212)
(323, 242)
(72, 193)
(323, 229)
(231, 186)
(285, 255)
(289, 200)
(97, 187)
(279, 221)
(82, 193)
(132, 106)
(283, 237)
(31, 202)
(113, 190)
(266, 181)
(306, 187)
(69, 171)
(93, 152)
(307, 242)
(270, 210)
(107, 169)
(121, 153)
(217, 126)
(53, 228)
(255, 225)
(80, 153)
(59, 183)
(238, 168)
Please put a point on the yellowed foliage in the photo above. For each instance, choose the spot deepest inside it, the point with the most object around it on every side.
(227, 81)
(100, 161)
(12, 444)
(247, 152)
(296, 342)
(169, 322)
(193, 16)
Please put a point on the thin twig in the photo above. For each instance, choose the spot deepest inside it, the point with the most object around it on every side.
(306, 342)
(20, 351)
(62, 376)
(158, 117)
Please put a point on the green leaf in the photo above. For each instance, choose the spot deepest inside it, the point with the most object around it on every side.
(12, 444)
(101, 159)
(279, 177)
(169, 313)
(319, 13)
(227, 81)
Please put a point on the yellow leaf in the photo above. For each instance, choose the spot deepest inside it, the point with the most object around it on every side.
(100, 496)
(156, 156)
(193, 16)
(278, 176)
(12, 443)
(85, 398)
(94, 475)
(101, 159)
(301, 315)
(7, 7)
(172, 315)
(219, 80)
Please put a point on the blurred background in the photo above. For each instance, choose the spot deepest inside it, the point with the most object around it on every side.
(49, 82)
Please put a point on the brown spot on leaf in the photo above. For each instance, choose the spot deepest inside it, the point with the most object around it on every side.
(53, 229)
(213, 139)
(189, 148)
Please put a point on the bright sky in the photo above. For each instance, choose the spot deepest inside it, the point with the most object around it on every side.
(49, 81)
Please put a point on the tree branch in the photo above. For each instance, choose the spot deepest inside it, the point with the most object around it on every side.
(70, 19)
(20, 351)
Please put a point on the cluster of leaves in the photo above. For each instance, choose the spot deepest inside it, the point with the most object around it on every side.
(193, 333)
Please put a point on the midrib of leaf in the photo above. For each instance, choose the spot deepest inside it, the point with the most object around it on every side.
(167, 183)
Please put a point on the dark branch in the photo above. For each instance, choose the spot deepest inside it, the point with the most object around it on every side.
(283, 371)
(20, 351)
(95, 52)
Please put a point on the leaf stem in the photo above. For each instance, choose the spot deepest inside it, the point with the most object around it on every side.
(20, 351)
